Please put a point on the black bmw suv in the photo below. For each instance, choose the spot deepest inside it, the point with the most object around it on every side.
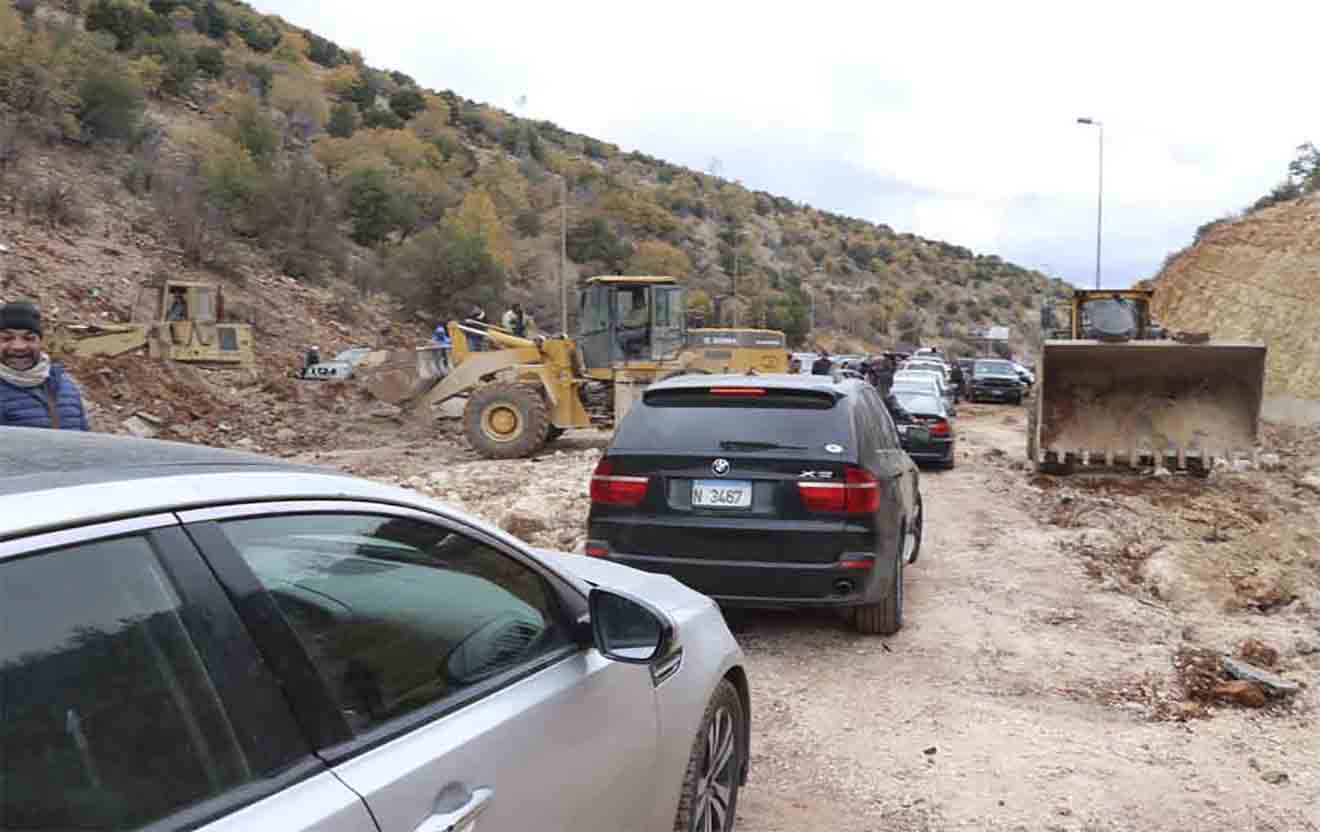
(773, 491)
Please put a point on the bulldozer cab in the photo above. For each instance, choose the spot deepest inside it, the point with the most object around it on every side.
(187, 327)
(629, 320)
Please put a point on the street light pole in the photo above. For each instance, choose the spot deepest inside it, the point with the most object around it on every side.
(1100, 194)
(564, 255)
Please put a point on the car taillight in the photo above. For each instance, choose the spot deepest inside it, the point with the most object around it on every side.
(737, 391)
(610, 489)
(939, 427)
(859, 493)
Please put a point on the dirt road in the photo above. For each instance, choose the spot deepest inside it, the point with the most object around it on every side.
(1018, 695)
(1033, 686)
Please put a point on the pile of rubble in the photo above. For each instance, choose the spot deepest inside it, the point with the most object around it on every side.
(543, 501)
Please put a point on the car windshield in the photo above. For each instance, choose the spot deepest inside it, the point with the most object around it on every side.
(994, 368)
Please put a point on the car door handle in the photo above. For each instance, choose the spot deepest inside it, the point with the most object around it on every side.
(462, 819)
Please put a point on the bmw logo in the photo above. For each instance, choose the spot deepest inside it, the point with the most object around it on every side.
(720, 467)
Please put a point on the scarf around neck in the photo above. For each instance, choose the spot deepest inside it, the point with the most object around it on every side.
(34, 377)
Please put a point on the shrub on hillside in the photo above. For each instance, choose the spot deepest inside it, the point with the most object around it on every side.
(125, 20)
(110, 102)
(375, 206)
(255, 131)
(260, 34)
(592, 241)
(378, 117)
(52, 203)
(656, 257)
(446, 269)
(407, 103)
(297, 217)
(178, 63)
(210, 61)
(528, 223)
(301, 100)
(343, 120)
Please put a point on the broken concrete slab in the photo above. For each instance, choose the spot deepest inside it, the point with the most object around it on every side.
(1273, 684)
(141, 427)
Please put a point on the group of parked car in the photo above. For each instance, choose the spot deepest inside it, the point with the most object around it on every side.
(199, 638)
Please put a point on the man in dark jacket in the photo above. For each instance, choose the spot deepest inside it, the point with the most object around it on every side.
(33, 392)
(822, 366)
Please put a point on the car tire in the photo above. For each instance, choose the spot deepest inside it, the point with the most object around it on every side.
(554, 433)
(506, 421)
(724, 722)
(950, 463)
(885, 617)
(919, 526)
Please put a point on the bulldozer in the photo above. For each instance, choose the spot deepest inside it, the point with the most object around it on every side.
(187, 326)
(1115, 391)
(524, 392)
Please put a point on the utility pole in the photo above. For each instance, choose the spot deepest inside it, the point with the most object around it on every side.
(1100, 194)
(563, 254)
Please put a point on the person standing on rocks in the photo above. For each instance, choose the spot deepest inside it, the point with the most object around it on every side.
(34, 392)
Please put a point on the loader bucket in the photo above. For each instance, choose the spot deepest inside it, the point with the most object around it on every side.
(399, 376)
(1147, 402)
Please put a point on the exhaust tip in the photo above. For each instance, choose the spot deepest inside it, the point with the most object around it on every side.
(843, 586)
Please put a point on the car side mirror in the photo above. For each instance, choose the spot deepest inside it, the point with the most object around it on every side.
(627, 629)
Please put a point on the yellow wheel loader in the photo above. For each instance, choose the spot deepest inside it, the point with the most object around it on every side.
(188, 326)
(1113, 389)
(522, 392)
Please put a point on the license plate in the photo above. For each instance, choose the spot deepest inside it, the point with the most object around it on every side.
(722, 494)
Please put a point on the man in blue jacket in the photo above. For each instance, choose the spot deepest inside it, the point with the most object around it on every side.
(33, 392)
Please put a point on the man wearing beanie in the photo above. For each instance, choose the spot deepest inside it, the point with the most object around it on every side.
(33, 392)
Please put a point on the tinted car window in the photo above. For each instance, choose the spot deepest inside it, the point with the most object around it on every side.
(396, 613)
(702, 427)
(886, 437)
(108, 718)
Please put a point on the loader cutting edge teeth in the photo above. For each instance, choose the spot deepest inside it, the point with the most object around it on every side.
(1146, 403)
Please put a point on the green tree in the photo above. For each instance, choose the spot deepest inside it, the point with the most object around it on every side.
(123, 19)
(375, 117)
(178, 62)
(343, 120)
(111, 102)
(445, 268)
(255, 131)
(376, 208)
(592, 241)
(210, 61)
(407, 103)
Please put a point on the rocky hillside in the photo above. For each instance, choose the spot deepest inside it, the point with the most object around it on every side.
(242, 144)
(1255, 278)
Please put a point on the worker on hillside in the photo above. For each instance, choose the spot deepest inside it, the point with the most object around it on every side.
(515, 320)
(34, 392)
(822, 365)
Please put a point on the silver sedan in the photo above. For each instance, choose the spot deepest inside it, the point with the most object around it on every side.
(197, 638)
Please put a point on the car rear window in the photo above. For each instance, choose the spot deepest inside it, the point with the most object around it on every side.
(918, 402)
(697, 420)
(1002, 368)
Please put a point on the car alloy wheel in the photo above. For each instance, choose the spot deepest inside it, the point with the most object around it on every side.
(718, 775)
(715, 769)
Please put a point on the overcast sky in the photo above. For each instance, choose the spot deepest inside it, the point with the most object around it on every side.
(953, 120)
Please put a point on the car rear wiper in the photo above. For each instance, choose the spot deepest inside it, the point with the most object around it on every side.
(736, 445)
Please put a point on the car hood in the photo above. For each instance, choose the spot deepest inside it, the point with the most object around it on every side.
(661, 590)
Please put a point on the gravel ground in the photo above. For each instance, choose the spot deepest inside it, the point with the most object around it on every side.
(1033, 686)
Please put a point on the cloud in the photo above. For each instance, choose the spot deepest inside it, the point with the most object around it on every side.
(954, 120)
